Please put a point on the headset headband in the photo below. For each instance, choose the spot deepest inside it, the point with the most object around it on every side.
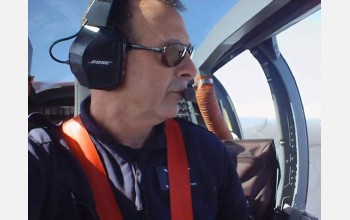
(98, 14)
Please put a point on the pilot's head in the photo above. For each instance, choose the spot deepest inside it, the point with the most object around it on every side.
(156, 58)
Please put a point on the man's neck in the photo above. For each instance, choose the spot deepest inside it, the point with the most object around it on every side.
(123, 124)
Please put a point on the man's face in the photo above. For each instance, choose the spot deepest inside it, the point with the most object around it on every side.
(152, 88)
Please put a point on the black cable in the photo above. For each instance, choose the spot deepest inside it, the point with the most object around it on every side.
(58, 41)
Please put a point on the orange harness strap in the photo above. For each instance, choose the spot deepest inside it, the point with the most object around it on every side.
(179, 178)
(82, 147)
(84, 150)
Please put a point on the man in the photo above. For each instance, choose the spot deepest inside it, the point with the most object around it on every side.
(126, 125)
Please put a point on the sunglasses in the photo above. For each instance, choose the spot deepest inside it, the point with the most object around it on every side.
(172, 54)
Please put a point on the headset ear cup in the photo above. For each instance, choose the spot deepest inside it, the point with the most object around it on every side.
(96, 57)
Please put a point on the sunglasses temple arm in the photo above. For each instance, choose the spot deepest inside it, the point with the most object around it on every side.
(139, 47)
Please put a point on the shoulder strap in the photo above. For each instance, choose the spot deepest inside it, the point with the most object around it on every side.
(79, 141)
(82, 147)
(179, 179)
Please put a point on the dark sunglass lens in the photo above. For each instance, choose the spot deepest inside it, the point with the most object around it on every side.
(173, 54)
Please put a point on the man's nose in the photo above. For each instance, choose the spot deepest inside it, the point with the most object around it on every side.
(187, 68)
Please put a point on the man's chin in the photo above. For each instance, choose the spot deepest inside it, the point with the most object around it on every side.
(169, 109)
(172, 112)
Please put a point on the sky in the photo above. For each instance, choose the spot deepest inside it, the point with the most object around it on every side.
(306, 65)
(300, 45)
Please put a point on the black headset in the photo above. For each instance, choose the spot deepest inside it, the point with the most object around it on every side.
(96, 56)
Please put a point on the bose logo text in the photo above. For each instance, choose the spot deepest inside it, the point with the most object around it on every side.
(101, 62)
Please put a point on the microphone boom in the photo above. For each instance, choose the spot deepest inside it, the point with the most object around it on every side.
(189, 94)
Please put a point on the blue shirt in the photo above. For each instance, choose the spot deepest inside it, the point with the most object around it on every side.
(138, 177)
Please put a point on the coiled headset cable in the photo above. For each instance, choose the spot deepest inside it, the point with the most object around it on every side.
(58, 41)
